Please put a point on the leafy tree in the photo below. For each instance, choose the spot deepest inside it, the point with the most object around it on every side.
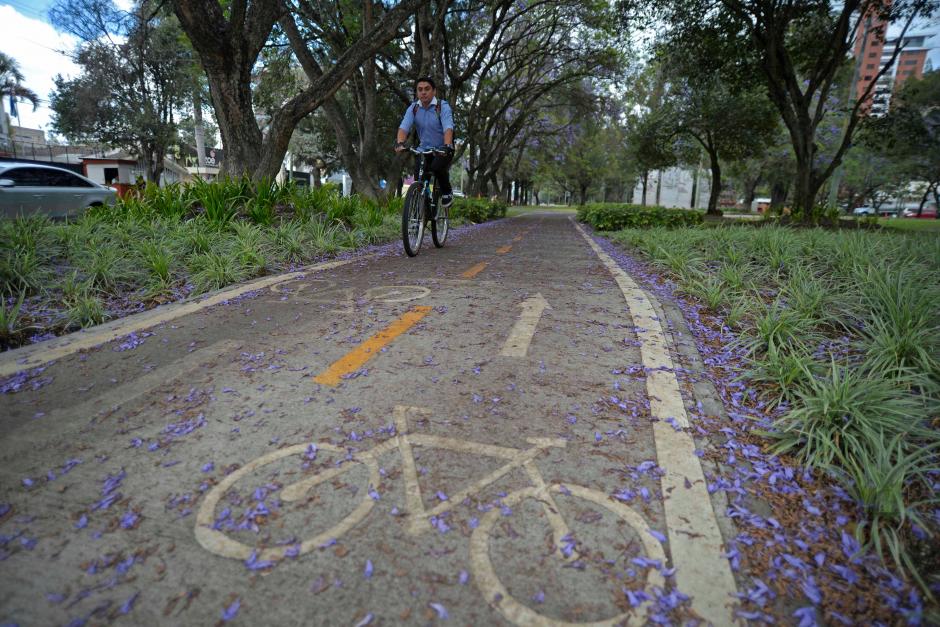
(550, 46)
(798, 46)
(135, 79)
(11, 79)
(729, 121)
(910, 133)
(229, 39)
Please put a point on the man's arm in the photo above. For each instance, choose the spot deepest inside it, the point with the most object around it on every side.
(447, 121)
(404, 128)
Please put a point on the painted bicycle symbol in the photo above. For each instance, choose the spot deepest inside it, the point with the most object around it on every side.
(418, 517)
(325, 291)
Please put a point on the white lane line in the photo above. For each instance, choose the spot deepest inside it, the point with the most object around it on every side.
(694, 537)
(36, 355)
(517, 344)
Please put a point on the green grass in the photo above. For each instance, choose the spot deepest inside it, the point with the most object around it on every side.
(917, 225)
(513, 212)
(171, 242)
(843, 327)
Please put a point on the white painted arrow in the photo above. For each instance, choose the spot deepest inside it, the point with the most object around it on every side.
(517, 344)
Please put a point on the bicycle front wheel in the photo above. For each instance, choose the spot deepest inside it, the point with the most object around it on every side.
(603, 515)
(440, 224)
(412, 220)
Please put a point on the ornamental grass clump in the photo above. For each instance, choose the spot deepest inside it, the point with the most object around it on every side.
(842, 413)
(841, 330)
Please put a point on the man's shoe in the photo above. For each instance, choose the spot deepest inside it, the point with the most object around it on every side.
(447, 200)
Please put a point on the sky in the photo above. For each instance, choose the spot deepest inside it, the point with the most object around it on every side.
(26, 35)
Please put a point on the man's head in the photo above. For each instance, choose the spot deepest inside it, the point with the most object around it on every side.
(425, 89)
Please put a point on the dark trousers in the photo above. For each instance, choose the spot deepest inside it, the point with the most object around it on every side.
(439, 165)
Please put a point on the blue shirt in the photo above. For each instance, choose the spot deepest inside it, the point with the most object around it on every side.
(431, 127)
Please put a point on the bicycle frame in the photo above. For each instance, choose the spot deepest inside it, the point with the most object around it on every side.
(424, 178)
(417, 516)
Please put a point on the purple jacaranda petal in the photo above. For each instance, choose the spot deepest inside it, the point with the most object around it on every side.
(128, 605)
(129, 520)
(636, 597)
(811, 590)
(440, 609)
(27, 482)
(208, 467)
(807, 616)
(373, 494)
(82, 522)
(5, 509)
(366, 620)
(231, 611)
(367, 572)
(441, 496)
(311, 453)
(253, 563)
(657, 535)
(463, 578)
(539, 597)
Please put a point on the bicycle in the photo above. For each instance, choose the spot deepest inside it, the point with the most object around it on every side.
(422, 205)
(419, 519)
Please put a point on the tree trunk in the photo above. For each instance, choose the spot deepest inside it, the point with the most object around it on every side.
(778, 196)
(659, 186)
(582, 192)
(715, 192)
(750, 191)
(199, 130)
(645, 179)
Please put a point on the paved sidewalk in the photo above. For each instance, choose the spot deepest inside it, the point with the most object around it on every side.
(491, 433)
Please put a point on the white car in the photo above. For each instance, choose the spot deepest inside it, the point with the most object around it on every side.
(863, 211)
(28, 189)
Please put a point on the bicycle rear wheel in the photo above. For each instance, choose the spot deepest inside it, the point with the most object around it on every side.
(440, 224)
(412, 220)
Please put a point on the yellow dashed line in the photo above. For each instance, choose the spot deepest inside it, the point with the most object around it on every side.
(354, 359)
(475, 270)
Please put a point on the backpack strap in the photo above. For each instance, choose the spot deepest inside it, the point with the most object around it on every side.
(437, 108)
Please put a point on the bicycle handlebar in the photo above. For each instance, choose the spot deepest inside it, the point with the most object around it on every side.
(429, 151)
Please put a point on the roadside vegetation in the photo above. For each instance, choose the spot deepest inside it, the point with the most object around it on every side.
(173, 242)
(839, 329)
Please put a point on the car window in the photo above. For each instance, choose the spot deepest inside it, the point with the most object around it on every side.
(27, 177)
(67, 179)
(42, 177)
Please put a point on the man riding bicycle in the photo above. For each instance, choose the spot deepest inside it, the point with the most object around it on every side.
(435, 125)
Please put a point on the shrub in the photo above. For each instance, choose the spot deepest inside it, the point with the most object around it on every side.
(478, 210)
(614, 217)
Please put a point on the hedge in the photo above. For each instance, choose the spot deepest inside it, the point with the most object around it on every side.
(478, 210)
(613, 217)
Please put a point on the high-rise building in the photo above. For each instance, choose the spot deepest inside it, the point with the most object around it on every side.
(911, 62)
(869, 51)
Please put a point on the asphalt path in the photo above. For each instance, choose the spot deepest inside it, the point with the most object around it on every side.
(490, 433)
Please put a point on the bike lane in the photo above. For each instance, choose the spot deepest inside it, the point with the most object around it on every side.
(511, 358)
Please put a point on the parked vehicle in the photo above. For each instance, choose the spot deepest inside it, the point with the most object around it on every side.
(28, 189)
(928, 212)
(863, 211)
